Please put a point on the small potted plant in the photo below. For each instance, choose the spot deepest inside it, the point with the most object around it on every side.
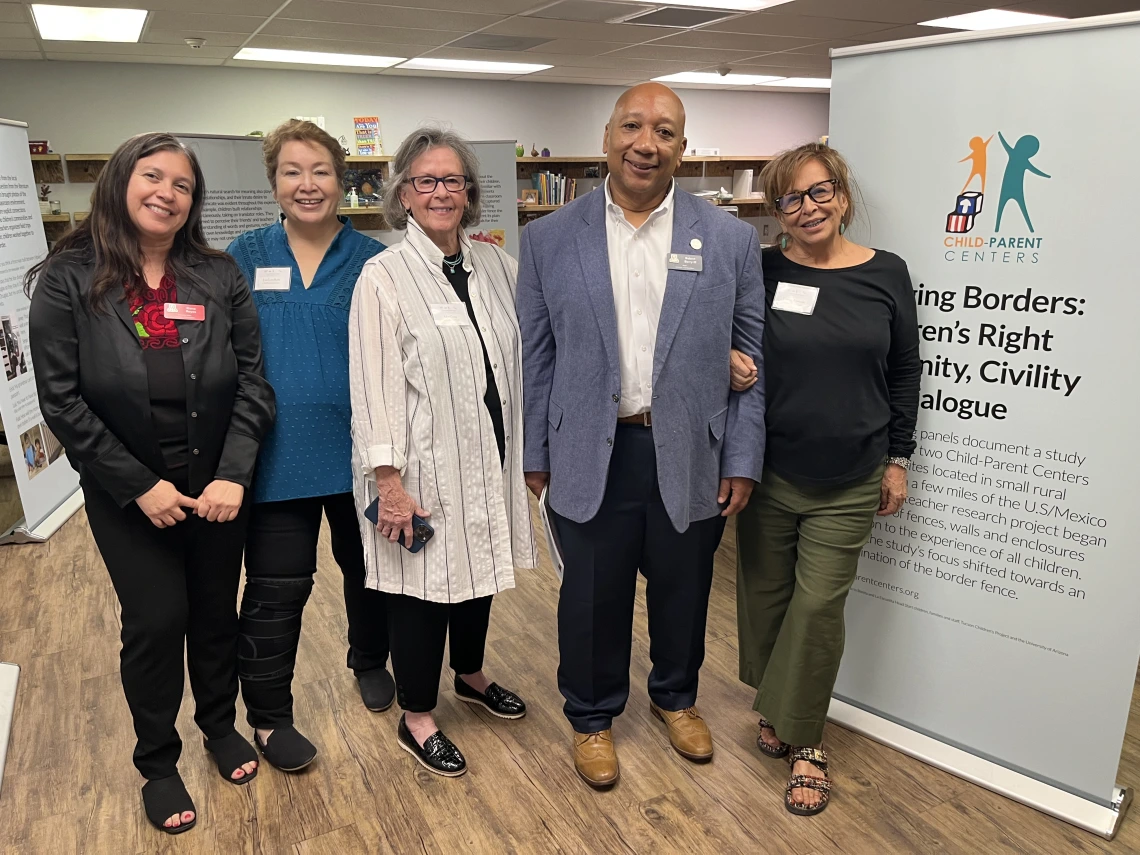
(45, 203)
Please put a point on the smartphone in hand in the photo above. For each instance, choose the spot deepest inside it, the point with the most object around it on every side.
(422, 531)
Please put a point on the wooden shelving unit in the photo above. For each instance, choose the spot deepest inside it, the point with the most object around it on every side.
(47, 168)
(84, 168)
(56, 225)
(365, 219)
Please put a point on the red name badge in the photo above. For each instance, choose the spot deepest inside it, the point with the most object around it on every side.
(183, 312)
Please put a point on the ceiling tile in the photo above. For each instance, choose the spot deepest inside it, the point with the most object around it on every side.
(690, 56)
(624, 33)
(19, 54)
(882, 11)
(798, 25)
(576, 81)
(358, 33)
(823, 49)
(12, 13)
(19, 45)
(142, 49)
(910, 31)
(1078, 9)
(259, 8)
(386, 16)
(17, 31)
(751, 42)
(588, 73)
(490, 7)
(149, 60)
(789, 61)
(823, 70)
(195, 24)
(367, 48)
(577, 47)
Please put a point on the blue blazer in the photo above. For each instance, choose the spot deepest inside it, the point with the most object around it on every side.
(571, 375)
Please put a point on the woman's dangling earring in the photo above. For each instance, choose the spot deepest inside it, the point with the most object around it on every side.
(842, 228)
(783, 241)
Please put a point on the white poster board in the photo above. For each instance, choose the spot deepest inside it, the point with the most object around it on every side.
(993, 628)
(500, 221)
(48, 486)
(238, 197)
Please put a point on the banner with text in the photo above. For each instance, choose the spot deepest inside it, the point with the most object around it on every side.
(997, 612)
(238, 197)
(43, 478)
(500, 222)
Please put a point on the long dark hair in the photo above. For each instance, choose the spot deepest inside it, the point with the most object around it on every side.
(108, 235)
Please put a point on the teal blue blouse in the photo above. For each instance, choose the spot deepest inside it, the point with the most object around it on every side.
(304, 335)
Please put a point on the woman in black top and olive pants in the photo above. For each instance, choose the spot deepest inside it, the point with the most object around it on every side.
(147, 354)
(841, 374)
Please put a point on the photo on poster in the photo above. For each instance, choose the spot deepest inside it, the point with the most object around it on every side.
(52, 446)
(15, 361)
(32, 449)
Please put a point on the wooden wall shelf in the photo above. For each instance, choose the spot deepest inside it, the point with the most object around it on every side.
(56, 225)
(47, 168)
(365, 219)
(85, 168)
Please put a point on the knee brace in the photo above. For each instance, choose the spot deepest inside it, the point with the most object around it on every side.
(270, 626)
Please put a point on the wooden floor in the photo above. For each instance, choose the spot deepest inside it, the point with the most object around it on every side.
(70, 786)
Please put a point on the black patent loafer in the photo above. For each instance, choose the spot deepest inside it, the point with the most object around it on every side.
(287, 749)
(496, 700)
(438, 753)
(377, 689)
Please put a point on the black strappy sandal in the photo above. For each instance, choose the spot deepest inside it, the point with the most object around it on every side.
(776, 752)
(167, 797)
(230, 752)
(818, 758)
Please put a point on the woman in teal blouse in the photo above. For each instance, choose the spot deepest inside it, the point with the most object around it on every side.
(303, 270)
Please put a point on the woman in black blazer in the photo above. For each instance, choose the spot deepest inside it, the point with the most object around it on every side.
(147, 355)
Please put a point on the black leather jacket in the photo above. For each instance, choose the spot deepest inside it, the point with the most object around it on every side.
(92, 380)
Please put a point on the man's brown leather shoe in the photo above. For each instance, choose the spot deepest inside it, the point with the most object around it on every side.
(687, 731)
(595, 758)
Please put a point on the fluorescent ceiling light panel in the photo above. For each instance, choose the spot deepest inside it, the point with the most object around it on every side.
(717, 79)
(308, 57)
(729, 5)
(81, 24)
(802, 82)
(473, 66)
(990, 19)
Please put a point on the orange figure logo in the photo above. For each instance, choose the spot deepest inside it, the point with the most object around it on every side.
(979, 148)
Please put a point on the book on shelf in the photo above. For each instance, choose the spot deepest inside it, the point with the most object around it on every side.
(554, 189)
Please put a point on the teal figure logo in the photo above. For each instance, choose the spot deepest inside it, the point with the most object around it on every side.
(1013, 183)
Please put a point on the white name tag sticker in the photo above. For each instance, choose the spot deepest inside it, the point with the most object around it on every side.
(795, 298)
(272, 279)
(450, 315)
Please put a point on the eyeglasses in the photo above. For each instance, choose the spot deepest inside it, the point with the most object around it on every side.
(820, 192)
(428, 183)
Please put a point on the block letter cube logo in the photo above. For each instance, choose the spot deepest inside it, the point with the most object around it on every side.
(969, 203)
(959, 224)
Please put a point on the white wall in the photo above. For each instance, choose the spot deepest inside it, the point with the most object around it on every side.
(84, 107)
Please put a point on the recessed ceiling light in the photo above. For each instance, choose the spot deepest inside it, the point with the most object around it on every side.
(730, 5)
(308, 57)
(81, 24)
(990, 19)
(802, 82)
(473, 66)
(716, 79)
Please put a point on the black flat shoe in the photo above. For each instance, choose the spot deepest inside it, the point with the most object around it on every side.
(231, 752)
(438, 753)
(287, 749)
(377, 689)
(165, 797)
(496, 700)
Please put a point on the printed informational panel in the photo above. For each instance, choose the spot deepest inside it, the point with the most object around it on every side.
(42, 476)
(500, 221)
(238, 197)
(999, 610)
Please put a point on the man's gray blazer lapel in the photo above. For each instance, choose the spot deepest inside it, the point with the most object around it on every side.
(593, 249)
(680, 283)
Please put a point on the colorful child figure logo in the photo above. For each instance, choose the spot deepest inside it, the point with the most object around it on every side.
(1019, 161)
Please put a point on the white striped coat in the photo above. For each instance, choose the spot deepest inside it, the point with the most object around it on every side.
(417, 380)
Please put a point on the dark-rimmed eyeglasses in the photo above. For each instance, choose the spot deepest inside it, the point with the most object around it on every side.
(428, 183)
(820, 192)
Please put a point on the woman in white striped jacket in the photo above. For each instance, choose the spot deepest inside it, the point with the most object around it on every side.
(436, 381)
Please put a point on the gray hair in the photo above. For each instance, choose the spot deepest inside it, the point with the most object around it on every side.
(417, 143)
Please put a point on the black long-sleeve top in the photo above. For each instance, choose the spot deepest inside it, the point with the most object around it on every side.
(842, 382)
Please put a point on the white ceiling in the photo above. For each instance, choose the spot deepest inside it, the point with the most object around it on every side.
(790, 40)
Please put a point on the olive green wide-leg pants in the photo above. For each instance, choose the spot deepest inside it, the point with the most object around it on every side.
(798, 550)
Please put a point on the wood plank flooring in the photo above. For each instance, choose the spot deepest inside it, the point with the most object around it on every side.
(70, 787)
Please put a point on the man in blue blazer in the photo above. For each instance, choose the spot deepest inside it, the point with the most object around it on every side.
(629, 300)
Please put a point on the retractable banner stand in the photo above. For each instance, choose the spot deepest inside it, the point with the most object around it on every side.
(46, 490)
(500, 221)
(994, 626)
(238, 197)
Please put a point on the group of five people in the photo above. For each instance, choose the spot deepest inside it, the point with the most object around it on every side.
(635, 369)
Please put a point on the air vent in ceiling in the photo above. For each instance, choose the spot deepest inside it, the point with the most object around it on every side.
(672, 16)
(589, 11)
(486, 41)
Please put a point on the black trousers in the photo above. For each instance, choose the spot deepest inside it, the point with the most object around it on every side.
(280, 562)
(631, 531)
(417, 629)
(177, 588)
